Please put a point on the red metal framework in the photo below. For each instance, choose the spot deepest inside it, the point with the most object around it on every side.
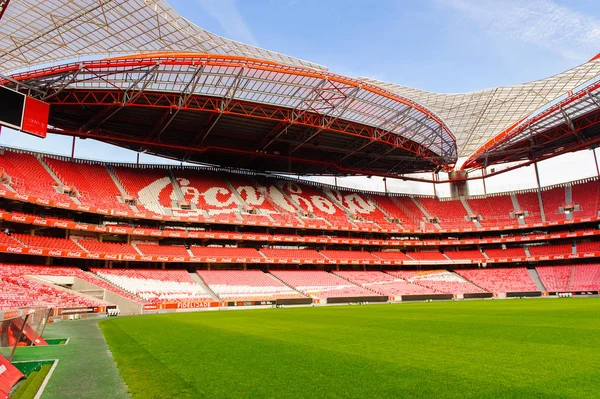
(170, 101)
(301, 110)
(571, 124)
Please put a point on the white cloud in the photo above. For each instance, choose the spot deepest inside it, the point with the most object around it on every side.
(227, 14)
(544, 23)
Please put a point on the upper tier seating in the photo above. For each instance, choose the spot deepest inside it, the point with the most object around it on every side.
(207, 191)
(16, 290)
(254, 199)
(587, 196)
(255, 218)
(29, 176)
(494, 210)
(274, 200)
(152, 188)
(162, 250)
(414, 213)
(394, 212)
(315, 202)
(555, 278)
(320, 284)
(553, 199)
(516, 279)
(237, 285)
(92, 181)
(363, 209)
(384, 284)
(440, 281)
(156, 286)
(557, 249)
(261, 200)
(451, 214)
(529, 202)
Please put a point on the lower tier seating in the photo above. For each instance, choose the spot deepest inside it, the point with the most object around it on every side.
(320, 284)
(585, 277)
(17, 289)
(156, 286)
(570, 278)
(239, 285)
(555, 278)
(383, 284)
(440, 281)
(515, 279)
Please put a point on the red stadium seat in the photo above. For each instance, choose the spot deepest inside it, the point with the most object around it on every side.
(250, 285)
(320, 284)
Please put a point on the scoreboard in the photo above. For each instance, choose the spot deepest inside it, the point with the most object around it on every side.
(23, 113)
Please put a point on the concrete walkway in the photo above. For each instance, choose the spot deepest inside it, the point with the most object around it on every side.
(85, 368)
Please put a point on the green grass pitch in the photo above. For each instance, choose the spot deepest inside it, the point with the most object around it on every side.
(544, 348)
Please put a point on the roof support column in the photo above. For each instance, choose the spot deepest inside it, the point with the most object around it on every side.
(596, 161)
(539, 191)
(484, 174)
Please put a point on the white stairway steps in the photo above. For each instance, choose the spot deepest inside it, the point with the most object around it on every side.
(536, 279)
(117, 182)
(569, 200)
(201, 282)
(55, 177)
(516, 206)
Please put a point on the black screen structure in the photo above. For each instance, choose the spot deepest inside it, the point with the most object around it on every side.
(12, 104)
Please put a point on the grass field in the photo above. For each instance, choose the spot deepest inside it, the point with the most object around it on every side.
(479, 349)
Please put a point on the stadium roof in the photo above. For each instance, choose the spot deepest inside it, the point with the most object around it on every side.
(216, 108)
(432, 128)
(35, 32)
(477, 117)
(568, 125)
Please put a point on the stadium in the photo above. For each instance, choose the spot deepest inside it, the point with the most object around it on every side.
(250, 263)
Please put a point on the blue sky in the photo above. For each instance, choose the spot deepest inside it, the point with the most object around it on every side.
(437, 45)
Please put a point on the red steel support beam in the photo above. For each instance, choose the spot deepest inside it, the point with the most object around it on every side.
(239, 108)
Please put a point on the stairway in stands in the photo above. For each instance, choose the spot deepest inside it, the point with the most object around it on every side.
(201, 282)
(55, 177)
(536, 278)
